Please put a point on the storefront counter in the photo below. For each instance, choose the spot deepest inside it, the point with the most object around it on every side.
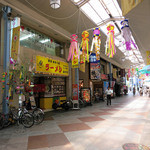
(46, 103)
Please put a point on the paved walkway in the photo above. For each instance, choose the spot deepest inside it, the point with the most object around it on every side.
(97, 127)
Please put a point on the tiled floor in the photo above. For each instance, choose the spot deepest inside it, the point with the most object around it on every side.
(97, 127)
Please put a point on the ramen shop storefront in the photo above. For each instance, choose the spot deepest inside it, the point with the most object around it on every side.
(51, 75)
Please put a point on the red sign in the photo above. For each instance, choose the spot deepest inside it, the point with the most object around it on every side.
(75, 91)
(104, 76)
(39, 88)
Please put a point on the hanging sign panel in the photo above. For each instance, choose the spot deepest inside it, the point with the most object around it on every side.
(49, 65)
(15, 43)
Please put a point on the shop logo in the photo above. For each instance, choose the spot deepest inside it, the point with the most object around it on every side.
(40, 64)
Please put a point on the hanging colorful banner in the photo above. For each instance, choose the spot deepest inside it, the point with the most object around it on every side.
(128, 5)
(49, 65)
(84, 47)
(110, 48)
(15, 43)
(82, 67)
(148, 57)
(97, 42)
(114, 73)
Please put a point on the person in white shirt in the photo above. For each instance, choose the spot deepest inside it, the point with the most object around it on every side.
(108, 93)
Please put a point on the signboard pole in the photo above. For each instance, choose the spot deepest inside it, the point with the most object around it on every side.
(76, 89)
(6, 10)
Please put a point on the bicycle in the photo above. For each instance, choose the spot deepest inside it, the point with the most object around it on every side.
(19, 116)
(38, 115)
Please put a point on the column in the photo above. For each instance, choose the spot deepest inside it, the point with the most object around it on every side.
(6, 15)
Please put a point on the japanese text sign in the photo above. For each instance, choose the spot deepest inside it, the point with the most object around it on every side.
(49, 65)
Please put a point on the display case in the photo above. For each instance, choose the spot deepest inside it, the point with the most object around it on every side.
(54, 86)
(59, 86)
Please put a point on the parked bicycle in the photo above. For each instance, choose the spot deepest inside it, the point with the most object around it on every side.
(38, 114)
(19, 116)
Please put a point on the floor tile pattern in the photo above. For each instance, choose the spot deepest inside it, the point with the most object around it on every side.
(97, 127)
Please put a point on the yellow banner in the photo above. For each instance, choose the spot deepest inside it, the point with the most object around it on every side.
(148, 57)
(75, 62)
(49, 65)
(128, 5)
(82, 67)
(114, 73)
(15, 43)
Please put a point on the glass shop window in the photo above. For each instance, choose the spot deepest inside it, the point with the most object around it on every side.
(40, 42)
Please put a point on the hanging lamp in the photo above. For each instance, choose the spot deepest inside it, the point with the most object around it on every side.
(55, 4)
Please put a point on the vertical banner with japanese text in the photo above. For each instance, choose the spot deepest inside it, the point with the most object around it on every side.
(15, 43)
(49, 65)
(75, 62)
(148, 57)
(75, 91)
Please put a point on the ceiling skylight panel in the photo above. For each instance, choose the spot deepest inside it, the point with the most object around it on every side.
(99, 9)
(104, 29)
(90, 12)
(117, 7)
(113, 8)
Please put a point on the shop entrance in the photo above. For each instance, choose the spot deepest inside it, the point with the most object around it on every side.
(98, 91)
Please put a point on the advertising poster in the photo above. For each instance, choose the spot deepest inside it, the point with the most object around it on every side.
(86, 94)
(95, 71)
(75, 91)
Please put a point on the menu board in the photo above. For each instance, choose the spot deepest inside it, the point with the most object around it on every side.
(86, 94)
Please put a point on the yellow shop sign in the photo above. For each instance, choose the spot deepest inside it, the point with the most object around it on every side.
(49, 65)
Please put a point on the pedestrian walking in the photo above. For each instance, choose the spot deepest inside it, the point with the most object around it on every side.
(109, 93)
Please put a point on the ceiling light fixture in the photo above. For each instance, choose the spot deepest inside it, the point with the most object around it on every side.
(55, 4)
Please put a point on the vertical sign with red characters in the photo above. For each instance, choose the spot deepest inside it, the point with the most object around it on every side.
(75, 91)
(49, 65)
